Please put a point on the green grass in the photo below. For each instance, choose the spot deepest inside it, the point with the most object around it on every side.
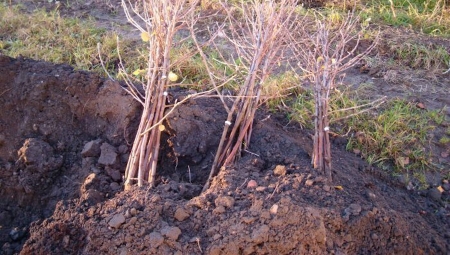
(428, 16)
(397, 135)
(277, 87)
(47, 36)
(445, 140)
(417, 55)
(303, 107)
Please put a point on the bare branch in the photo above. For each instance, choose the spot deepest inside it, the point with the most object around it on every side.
(323, 55)
(258, 40)
(161, 20)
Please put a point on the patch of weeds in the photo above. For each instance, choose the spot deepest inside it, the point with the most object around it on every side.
(278, 87)
(421, 178)
(429, 16)
(215, 4)
(421, 56)
(227, 68)
(444, 140)
(342, 104)
(194, 73)
(437, 116)
(49, 37)
(190, 68)
(303, 107)
(333, 14)
(302, 110)
(395, 135)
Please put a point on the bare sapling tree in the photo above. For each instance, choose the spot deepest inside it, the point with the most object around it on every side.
(258, 30)
(325, 50)
(158, 21)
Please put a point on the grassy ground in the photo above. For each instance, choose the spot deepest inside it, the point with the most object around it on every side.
(47, 36)
(393, 136)
(428, 16)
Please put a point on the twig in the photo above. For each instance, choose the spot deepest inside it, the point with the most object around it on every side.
(189, 173)
(101, 61)
(174, 106)
(380, 102)
(266, 118)
(360, 106)
(393, 9)
(242, 185)
(448, 70)
(254, 154)
(207, 65)
(198, 244)
(274, 190)
(6, 90)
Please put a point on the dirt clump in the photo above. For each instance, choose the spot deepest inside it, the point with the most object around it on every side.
(48, 113)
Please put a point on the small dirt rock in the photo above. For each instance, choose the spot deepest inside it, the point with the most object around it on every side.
(252, 184)
(280, 170)
(171, 232)
(91, 149)
(114, 186)
(108, 155)
(35, 151)
(274, 209)
(261, 234)
(155, 239)
(113, 173)
(92, 196)
(309, 182)
(435, 194)
(445, 185)
(261, 189)
(225, 201)
(117, 220)
(370, 195)
(181, 214)
(353, 209)
(219, 210)
(122, 149)
(16, 233)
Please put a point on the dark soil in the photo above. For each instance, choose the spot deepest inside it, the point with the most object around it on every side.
(65, 136)
(58, 200)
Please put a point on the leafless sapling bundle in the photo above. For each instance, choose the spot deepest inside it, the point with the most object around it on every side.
(258, 32)
(324, 53)
(158, 21)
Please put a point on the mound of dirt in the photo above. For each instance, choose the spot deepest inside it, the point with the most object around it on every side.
(65, 138)
(48, 113)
